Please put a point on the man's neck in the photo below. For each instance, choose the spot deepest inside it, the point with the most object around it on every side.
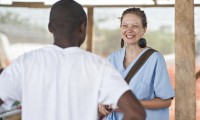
(64, 44)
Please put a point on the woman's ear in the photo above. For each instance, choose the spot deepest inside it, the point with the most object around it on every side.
(143, 31)
(50, 27)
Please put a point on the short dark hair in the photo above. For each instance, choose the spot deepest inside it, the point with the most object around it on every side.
(66, 16)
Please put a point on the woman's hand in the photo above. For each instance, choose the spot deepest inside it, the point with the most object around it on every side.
(104, 109)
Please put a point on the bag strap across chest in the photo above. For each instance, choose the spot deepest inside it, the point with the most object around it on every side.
(138, 64)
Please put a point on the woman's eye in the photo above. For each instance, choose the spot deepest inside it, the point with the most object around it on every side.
(124, 26)
(135, 26)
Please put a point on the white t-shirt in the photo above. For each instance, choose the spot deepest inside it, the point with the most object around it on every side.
(61, 84)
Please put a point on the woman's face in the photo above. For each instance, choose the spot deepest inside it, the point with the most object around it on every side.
(131, 28)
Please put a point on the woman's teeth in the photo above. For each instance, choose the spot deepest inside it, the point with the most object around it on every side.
(129, 36)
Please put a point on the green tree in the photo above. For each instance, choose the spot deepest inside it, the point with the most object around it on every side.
(108, 40)
(162, 40)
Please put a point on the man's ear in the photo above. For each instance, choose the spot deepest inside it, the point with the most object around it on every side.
(50, 27)
(83, 28)
(82, 33)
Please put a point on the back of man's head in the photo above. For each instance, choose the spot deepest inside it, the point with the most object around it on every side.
(66, 16)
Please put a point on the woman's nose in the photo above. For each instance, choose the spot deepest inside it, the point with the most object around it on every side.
(130, 29)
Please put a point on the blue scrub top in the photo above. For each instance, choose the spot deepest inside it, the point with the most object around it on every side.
(151, 81)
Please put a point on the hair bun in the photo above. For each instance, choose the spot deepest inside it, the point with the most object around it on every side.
(142, 43)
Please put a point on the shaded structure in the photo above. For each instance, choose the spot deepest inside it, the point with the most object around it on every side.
(185, 109)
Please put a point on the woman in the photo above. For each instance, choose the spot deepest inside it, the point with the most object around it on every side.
(151, 84)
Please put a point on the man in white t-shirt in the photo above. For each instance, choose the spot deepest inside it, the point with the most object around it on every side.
(62, 81)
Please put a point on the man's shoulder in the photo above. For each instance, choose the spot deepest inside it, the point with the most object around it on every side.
(34, 52)
(94, 57)
(117, 52)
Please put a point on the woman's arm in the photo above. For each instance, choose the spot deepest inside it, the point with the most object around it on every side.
(156, 103)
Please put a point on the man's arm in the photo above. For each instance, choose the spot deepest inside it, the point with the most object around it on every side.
(1, 102)
(1, 70)
(131, 107)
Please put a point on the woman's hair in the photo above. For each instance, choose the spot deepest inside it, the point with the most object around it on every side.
(140, 13)
(136, 11)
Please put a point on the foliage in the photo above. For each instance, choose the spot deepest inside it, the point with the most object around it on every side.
(161, 40)
(20, 29)
(11, 18)
(108, 40)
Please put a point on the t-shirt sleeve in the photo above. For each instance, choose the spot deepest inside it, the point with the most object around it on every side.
(10, 82)
(112, 86)
(162, 85)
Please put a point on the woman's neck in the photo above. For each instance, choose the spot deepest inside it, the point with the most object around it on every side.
(131, 53)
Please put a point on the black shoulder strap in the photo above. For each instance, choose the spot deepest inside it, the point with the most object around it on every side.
(143, 58)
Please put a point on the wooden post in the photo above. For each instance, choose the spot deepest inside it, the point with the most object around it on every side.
(90, 29)
(14, 117)
(29, 4)
(185, 99)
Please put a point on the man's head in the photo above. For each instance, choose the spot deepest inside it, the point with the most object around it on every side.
(68, 22)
